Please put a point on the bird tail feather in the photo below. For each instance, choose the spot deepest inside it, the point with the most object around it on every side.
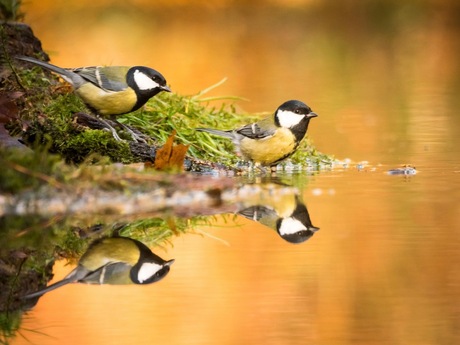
(75, 275)
(69, 76)
(49, 288)
(226, 134)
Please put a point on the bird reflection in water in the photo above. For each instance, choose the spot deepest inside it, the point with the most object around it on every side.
(287, 215)
(117, 261)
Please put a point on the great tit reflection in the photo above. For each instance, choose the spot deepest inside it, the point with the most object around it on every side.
(288, 216)
(117, 261)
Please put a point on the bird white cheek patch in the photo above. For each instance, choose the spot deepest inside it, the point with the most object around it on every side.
(147, 270)
(291, 226)
(289, 119)
(143, 81)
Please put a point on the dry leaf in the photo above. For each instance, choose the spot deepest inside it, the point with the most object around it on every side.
(170, 156)
(8, 107)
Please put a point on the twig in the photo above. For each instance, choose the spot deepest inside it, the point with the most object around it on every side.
(50, 180)
(8, 58)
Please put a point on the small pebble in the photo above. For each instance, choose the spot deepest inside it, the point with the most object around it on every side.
(403, 171)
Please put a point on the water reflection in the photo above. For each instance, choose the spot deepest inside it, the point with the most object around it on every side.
(289, 217)
(114, 260)
(116, 257)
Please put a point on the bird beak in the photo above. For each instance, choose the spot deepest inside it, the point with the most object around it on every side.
(169, 263)
(313, 228)
(312, 114)
(165, 88)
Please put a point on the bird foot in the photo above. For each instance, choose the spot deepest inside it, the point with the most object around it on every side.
(97, 122)
(111, 129)
(135, 134)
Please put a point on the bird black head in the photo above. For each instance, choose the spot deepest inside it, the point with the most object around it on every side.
(298, 227)
(291, 113)
(299, 236)
(150, 272)
(146, 83)
(150, 267)
(294, 115)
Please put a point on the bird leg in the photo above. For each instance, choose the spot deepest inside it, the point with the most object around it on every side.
(98, 122)
(135, 135)
(110, 128)
(95, 122)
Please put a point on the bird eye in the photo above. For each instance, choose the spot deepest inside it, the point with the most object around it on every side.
(297, 111)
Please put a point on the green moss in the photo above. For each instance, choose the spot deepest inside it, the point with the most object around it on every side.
(57, 131)
(81, 146)
(62, 107)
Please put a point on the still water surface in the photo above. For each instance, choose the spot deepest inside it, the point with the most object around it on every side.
(384, 266)
(375, 273)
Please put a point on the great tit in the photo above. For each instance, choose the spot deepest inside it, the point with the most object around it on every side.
(274, 138)
(117, 261)
(110, 90)
(288, 216)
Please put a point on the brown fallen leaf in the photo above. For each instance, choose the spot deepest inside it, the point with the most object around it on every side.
(8, 107)
(170, 156)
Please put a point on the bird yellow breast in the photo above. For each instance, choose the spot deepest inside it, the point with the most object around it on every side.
(110, 250)
(107, 102)
(268, 150)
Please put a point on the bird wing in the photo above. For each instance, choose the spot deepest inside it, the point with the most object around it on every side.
(255, 131)
(256, 212)
(262, 214)
(111, 78)
(112, 273)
